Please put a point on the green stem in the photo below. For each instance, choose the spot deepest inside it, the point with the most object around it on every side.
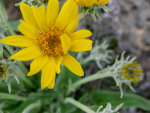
(3, 15)
(86, 60)
(10, 50)
(11, 97)
(90, 78)
(32, 106)
(78, 105)
(6, 54)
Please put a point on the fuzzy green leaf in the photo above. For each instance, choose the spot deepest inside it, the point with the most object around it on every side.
(129, 100)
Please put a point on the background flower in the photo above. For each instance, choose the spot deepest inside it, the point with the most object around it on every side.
(89, 3)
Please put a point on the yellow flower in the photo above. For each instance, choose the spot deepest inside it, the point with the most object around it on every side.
(48, 36)
(2, 71)
(132, 71)
(89, 3)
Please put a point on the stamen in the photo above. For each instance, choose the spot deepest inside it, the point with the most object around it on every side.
(51, 43)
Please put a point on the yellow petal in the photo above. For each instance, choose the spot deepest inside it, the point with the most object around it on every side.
(73, 65)
(68, 13)
(86, 3)
(27, 54)
(52, 83)
(72, 26)
(37, 64)
(48, 73)
(18, 40)
(58, 64)
(104, 2)
(81, 34)
(28, 14)
(28, 30)
(66, 43)
(81, 45)
(40, 17)
(52, 12)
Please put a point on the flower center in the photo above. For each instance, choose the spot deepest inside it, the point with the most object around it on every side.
(51, 43)
(132, 71)
(2, 71)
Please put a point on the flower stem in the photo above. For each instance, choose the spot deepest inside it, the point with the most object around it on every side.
(3, 15)
(96, 76)
(78, 105)
(86, 60)
(11, 97)
(32, 106)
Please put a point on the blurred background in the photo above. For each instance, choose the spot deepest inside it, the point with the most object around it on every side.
(127, 28)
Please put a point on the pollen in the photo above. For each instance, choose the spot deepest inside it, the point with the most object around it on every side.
(51, 43)
(132, 71)
(2, 71)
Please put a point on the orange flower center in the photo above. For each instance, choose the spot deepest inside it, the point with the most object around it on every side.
(51, 43)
